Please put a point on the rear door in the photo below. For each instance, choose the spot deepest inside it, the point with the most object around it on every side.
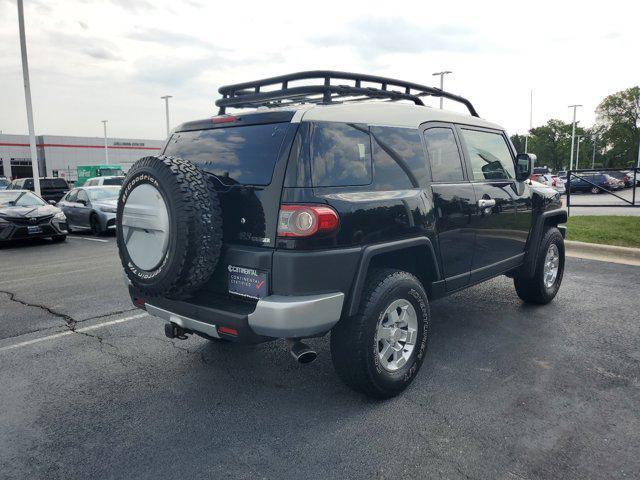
(454, 200)
(502, 214)
(82, 209)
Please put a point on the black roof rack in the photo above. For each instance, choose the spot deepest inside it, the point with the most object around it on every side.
(258, 94)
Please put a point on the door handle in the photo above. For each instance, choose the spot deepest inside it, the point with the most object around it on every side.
(486, 203)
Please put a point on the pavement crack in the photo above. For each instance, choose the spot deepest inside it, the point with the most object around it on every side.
(69, 321)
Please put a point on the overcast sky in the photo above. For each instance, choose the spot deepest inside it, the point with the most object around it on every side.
(94, 60)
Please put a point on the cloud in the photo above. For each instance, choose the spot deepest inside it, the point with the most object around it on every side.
(375, 36)
(100, 53)
(93, 47)
(166, 37)
(83, 25)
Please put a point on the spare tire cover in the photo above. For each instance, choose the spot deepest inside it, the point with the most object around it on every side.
(169, 227)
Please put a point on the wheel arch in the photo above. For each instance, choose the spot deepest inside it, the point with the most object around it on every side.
(544, 221)
(415, 255)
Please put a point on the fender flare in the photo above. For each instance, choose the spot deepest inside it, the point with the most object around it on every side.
(549, 217)
(370, 251)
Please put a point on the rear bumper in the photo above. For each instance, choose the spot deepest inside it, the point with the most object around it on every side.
(275, 316)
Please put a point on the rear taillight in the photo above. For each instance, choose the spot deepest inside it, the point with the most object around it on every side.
(306, 220)
(553, 182)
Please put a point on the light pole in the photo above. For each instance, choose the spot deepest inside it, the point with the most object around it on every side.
(578, 140)
(166, 105)
(573, 134)
(526, 138)
(27, 97)
(442, 74)
(106, 149)
(593, 158)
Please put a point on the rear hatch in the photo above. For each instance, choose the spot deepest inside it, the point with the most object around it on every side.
(245, 159)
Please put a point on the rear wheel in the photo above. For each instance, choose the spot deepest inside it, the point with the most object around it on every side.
(380, 350)
(543, 285)
(595, 190)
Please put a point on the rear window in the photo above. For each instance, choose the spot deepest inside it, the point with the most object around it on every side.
(237, 155)
(57, 183)
(113, 181)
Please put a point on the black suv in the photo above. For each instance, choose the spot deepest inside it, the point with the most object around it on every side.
(326, 209)
(52, 189)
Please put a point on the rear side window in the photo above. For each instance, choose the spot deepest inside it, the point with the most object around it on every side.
(398, 158)
(490, 155)
(444, 157)
(237, 155)
(340, 154)
(72, 196)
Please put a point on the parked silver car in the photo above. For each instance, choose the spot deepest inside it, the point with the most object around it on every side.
(91, 208)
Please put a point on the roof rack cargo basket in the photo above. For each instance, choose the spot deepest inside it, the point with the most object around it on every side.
(260, 93)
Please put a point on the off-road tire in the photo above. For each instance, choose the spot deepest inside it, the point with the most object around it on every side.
(354, 349)
(532, 289)
(195, 227)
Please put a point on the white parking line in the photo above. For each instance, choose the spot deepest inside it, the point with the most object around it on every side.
(69, 332)
(91, 239)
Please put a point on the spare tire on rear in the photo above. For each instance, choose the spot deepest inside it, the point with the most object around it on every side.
(169, 227)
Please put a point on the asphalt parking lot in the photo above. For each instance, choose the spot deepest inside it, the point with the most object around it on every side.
(611, 205)
(507, 391)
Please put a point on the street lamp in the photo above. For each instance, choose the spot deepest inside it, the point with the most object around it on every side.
(442, 74)
(593, 159)
(579, 139)
(526, 138)
(166, 105)
(27, 97)
(573, 134)
(106, 149)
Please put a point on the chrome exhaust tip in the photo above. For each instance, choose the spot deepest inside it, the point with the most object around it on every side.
(301, 352)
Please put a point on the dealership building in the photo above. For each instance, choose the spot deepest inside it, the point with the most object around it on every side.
(58, 156)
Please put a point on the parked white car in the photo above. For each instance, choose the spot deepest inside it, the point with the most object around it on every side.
(552, 181)
(104, 181)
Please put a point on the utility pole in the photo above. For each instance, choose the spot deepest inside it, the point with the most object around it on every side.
(579, 139)
(27, 97)
(166, 105)
(106, 149)
(526, 138)
(573, 134)
(442, 74)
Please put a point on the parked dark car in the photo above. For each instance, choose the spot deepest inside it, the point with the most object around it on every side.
(25, 215)
(589, 182)
(91, 208)
(51, 188)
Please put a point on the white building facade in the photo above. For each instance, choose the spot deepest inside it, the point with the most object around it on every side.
(58, 156)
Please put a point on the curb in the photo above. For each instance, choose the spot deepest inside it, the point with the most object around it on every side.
(610, 253)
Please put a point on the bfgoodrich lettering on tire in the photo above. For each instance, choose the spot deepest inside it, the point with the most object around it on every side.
(380, 350)
(169, 227)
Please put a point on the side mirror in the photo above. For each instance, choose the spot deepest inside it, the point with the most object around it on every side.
(52, 202)
(524, 166)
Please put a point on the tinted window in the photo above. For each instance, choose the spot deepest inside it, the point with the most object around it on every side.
(57, 183)
(113, 181)
(444, 157)
(245, 155)
(398, 159)
(340, 155)
(490, 155)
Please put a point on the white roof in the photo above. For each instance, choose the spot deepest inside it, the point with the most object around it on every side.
(385, 113)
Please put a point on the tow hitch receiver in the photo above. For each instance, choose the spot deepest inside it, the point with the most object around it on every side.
(171, 330)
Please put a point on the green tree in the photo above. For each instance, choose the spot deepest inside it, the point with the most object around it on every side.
(618, 125)
(551, 143)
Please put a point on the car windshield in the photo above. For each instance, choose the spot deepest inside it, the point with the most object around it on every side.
(4, 182)
(19, 199)
(103, 193)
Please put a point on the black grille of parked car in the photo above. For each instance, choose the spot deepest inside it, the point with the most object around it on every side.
(29, 220)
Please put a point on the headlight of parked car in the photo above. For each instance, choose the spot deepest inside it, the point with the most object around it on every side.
(108, 209)
(60, 217)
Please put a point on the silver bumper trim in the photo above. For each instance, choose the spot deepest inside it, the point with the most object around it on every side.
(298, 316)
(184, 322)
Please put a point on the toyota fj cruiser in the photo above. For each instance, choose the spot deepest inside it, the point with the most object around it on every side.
(332, 206)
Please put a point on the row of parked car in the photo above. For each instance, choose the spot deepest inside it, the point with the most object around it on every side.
(592, 182)
(23, 214)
